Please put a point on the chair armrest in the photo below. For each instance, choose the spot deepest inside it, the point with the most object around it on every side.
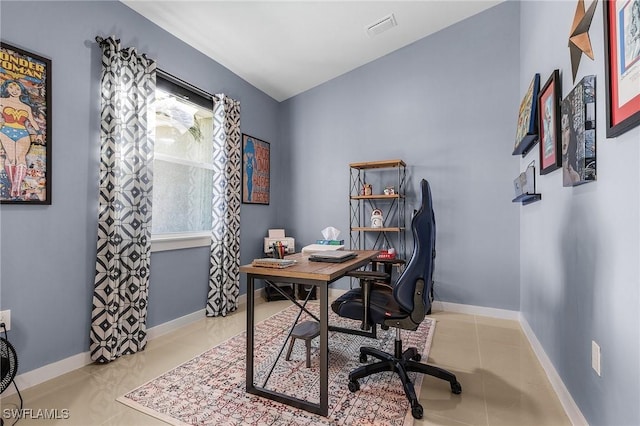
(369, 275)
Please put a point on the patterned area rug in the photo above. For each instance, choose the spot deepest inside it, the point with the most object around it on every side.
(210, 388)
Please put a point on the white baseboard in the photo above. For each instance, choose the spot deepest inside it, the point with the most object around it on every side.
(64, 366)
(476, 310)
(49, 371)
(570, 407)
(53, 370)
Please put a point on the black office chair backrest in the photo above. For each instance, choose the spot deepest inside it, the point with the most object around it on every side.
(420, 266)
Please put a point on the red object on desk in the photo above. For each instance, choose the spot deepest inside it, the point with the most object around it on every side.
(384, 254)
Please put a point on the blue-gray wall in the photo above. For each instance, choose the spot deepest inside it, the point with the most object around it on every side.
(446, 104)
(48, 252)
(579, 246)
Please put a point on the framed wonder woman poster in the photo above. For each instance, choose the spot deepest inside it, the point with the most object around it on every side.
(25, 127)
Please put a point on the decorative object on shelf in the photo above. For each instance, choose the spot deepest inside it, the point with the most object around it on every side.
(388, 254)
(549, 124)
(376, 218)
(578, 129)
(622, 65)
(525, 186)
(25, 123)
(256, 170)
(381, 232)
(389, 190)
(367, 189)
(579, 41)
(526, 133)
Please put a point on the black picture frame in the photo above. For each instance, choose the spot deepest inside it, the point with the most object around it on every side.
(25, 127)
(527, 132)
(256, 170)
(549, 100)
(622, 68)
(578, 130)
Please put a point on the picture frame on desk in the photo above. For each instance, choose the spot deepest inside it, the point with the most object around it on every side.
(256, 170)
(622, 65)
(549, 124)
(25, 127)
(527, 131)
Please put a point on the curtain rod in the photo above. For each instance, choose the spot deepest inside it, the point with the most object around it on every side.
(172, 78)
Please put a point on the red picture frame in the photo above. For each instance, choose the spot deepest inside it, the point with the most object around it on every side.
(622, 67)
(549, 124)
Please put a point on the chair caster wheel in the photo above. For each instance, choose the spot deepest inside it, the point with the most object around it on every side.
(417, 357)
(456, 388)
(354, 386)
(363, 358)
(416, 411)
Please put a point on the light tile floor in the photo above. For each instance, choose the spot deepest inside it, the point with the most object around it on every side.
(502, 381)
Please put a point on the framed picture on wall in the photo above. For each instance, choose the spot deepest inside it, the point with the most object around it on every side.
(25, 127)
(622, 65)
(549, 124)
(578, 127)
(527, 132)
(256, 170)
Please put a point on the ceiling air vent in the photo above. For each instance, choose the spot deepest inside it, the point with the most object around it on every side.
(381, 25)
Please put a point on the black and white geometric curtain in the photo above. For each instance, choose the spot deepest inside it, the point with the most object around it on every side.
(224, 272)
(119, 313)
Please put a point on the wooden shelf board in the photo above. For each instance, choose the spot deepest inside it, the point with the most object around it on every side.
(369, 229)
(378, 164)
(376, 197)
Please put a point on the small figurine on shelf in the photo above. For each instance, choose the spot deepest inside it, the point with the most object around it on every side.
(367, 189)
(376, 218)
(389, 190)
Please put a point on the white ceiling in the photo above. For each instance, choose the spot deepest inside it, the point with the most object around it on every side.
(287, 47)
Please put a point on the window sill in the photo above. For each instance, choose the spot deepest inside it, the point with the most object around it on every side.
(179, 241)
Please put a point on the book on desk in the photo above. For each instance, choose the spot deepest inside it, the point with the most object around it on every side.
(270, 262)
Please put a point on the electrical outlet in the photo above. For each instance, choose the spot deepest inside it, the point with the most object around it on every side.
(595, 357)
(5, 317)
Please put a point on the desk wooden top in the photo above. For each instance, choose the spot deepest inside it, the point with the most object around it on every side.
(318, 271)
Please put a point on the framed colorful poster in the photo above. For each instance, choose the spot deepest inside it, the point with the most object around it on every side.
(622, 65)
(25, 127)
(527, 132)
(549, 124)
(256, 170)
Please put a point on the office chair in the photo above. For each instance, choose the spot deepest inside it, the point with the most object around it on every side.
(402, 306)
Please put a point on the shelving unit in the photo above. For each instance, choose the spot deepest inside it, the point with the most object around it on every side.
(392, 233)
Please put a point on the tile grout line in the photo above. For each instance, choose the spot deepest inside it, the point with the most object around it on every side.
(484, 393)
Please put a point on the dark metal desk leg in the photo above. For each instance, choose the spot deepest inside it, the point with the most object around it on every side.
(250, 322)
(324, 348)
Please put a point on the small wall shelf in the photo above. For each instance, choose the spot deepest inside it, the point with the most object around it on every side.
(525, 145)
(527, 198)
(525, 186)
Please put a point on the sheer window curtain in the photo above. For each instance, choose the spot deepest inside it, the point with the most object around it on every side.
(224, 273)
(119, 311)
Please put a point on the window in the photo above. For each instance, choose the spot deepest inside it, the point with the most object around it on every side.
(182, 168)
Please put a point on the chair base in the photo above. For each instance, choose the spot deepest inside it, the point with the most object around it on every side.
(401, 363)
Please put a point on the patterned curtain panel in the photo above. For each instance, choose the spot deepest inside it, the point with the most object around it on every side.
(118, 318)
(224, 273)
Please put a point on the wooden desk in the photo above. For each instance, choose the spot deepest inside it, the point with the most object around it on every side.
(319, 274)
